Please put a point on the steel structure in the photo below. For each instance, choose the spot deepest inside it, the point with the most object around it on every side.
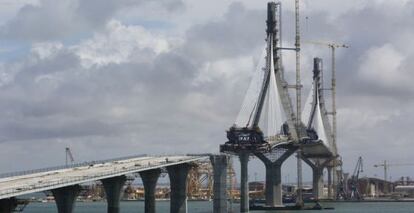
(200, 181)
(386, 166)
(354, 193)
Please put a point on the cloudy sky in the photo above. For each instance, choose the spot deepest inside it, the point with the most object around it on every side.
(111, 78)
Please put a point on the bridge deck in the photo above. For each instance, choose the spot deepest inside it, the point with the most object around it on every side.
(315, 149)
(37, 182)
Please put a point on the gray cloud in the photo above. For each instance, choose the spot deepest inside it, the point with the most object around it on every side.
(57, 20)
(238, 32)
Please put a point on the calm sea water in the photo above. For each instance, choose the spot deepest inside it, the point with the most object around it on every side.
(204, 207)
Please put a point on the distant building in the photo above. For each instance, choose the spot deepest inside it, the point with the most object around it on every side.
(405, 191)
(374, 187)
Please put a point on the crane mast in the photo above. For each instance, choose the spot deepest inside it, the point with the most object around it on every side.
(388, 165)
(69, 156)
(333, 46)
(355, 195)
(299, 199)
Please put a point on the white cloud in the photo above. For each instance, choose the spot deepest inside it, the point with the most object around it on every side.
(229, 70)
(44, 50)
(383, 65)
(119, 44)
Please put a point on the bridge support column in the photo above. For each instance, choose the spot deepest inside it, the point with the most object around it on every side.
(178, 185)
(8, 205)
(317, 171)
(244, 183)
(273, 190)
(220, 163)
(330, 182)
(335, 182)
(149, 179)
(65, 198)
(113, 190)
(317, 182)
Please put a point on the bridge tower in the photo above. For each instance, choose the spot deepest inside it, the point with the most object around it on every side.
(319, 126)
(248, 140)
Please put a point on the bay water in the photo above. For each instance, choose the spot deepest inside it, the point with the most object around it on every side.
(205, 207)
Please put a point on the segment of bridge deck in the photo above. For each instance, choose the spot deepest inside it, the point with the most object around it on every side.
(68, 188)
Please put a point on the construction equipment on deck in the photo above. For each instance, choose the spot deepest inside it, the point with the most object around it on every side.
(69, 156)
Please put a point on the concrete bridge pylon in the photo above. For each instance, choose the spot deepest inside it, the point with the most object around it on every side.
(113, 191)
(273, 190)
(149, 179)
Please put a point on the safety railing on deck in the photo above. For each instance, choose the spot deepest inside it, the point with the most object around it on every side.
(48, 169)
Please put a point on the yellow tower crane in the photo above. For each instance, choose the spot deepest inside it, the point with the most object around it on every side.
(387, 165)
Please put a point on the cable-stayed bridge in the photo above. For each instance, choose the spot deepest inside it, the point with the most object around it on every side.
(268, 127)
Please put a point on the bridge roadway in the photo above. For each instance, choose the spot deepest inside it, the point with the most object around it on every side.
(64, 183)
(43, 181)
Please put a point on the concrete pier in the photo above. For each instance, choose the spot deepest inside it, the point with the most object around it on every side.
(330, 182)
(65, 198)
(149, 179)
(317, 166)
(273, 190)
(178, 185)
(335, 181)
(220, 163)
(244, 182)
(113, 190)
(8, 205)
(317, 182)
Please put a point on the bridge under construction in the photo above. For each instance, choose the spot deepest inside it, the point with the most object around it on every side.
(272, 129)
(269, 126)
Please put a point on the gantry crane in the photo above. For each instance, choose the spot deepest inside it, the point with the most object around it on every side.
(354, 194)
(387, 165)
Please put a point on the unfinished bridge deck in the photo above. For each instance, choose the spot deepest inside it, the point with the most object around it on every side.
(13, 186)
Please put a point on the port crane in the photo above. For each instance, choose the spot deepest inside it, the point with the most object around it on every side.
(69, 156)
(387, 165)
(354, 194)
